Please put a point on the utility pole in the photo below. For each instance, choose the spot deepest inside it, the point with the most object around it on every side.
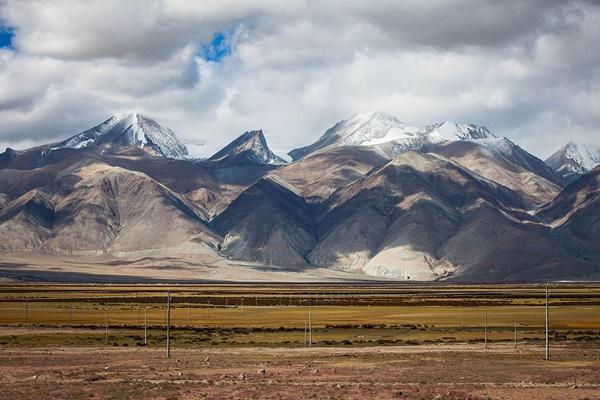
(305, 333)
(485, 330)
(145, 326)
(309, 328)
(168, 324)
(547, 352)
(26, 313)
(70, 314)
(242, 305)
(106, 325)
(515, 334)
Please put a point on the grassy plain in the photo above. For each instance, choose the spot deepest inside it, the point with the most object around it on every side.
(248, 341)
(270, 315)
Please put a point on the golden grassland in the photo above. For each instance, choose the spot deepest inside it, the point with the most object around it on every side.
(270, 315)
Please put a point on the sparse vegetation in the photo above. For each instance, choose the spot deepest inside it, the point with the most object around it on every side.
(274, 316)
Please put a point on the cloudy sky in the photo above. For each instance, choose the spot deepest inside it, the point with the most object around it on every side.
(209, 70)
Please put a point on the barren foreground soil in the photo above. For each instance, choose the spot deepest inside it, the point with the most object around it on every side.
(457, 371)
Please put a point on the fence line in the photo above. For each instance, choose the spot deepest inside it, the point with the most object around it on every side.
(315, 313)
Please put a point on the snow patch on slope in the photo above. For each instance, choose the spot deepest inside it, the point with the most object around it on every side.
(370, 128)
(448, 131)
(440, 133)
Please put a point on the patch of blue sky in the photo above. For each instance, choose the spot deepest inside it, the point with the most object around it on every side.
(219, 47)
(6, 37)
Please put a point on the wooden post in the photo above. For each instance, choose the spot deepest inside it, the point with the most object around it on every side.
(168, 324)
(26, 313)
(145, 326)
(242, 305)
(515, 334)
(70, 315)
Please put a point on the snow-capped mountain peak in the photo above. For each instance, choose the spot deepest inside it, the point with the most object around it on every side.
(251, 144)
(389, 135)
(363, 129)
(574, 159)
(448, 131)
(129, 130)
(369, 128)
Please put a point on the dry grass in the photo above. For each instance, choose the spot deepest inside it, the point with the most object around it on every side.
(341, 315)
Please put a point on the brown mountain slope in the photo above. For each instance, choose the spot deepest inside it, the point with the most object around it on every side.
(26, 222)
(268, 223)
(534, 188)
(210, 185)
(99, 208)
(424, 217)
(317, 176)
(575, 215)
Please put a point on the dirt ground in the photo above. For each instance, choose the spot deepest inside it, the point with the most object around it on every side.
(157, 267)
(457, 371)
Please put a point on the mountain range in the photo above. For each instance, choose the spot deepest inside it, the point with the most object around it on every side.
(372, 197)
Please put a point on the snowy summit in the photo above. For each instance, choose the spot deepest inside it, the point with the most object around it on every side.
(253, 146)
(129, 130)
(574, 159)
(389, 135)
(363, 129)
(456, 131)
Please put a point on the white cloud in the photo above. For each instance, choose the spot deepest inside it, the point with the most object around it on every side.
(528, 70)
